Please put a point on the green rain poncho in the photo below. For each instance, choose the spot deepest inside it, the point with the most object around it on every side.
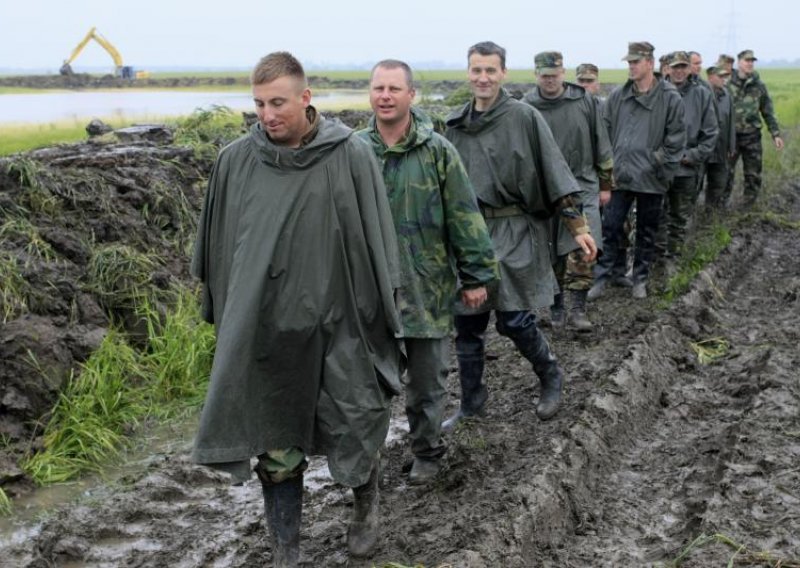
(297, 254)
(512, 160)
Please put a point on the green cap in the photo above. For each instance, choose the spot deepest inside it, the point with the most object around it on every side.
(587, 71)
(725, 59)
(639, 50)
(718, 70)
(548, 62)
(680, 58)
(665, 59)
(747, 54)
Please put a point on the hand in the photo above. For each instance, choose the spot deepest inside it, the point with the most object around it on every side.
(587, 244)
(778, 142)
(605, 197)
(474, 297)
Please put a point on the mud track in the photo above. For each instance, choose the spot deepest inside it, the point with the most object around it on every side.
(650, 450)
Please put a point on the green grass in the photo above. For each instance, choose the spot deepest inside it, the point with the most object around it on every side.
(14, 288)
(121, 277)
(741, 554)
(702, 251)
(119, 387)
(5, 503)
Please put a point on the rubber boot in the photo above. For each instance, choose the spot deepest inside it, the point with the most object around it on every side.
(283, 506)
(557, 313)
(577, 312)
(362, 536)
(474, 393)
(533, 346)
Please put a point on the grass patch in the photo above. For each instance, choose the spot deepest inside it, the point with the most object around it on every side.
(5, 503)
(121, 277)
(206, 130)
(741, 554)
(709, 350)
(14, 289)
(119, 387)
(695, 257)
(22, 232)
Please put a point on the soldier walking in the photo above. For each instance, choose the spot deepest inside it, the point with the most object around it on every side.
(718, 165)
(751, 103)
(519, 176)
(442, 238)
(575, 120)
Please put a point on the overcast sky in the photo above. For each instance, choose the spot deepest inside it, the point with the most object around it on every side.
(235, 33)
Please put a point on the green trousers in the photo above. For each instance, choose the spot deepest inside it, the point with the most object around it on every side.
(426, 394)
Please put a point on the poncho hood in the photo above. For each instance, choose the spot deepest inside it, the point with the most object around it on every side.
(571, 92)
(419, 134)
(330, 133)
(462, 118)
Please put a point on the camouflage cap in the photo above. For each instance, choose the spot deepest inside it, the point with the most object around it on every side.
(747, 54)
(639, 50)
(665, 59)
(725, 59)
(587, 71)
(718, 70)
(680, 58)
(548, 62)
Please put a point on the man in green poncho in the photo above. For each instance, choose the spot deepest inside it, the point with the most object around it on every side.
(575, 120)
(441, 237)
(520, 179)
(299, 266)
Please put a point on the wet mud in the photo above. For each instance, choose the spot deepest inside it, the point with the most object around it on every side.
(650, 450)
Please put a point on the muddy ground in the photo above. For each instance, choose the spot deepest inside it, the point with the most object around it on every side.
(651, 449)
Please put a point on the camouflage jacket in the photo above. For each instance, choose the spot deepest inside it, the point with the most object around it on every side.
(751, 101)
(440, 231)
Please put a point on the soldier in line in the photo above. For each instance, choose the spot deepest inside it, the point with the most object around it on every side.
(587, 75)
(442, 238)
(701, 137)
(575, 120)
(520, 178)
(717, 167)
(298, 261)
(751, 103)
(663, 65)
(644, 118)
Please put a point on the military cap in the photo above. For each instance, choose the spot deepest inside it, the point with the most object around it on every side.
(587, 71)
(639, 50)
(679, 58)
(665, 59)
(718, 70)
(724, 58)
(747, 54)
(548, 62)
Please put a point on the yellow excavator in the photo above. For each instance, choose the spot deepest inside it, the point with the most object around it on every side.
(120, 70)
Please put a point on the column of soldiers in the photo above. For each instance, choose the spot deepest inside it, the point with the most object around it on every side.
(336, 264)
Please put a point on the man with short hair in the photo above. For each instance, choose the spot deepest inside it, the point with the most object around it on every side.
(576, 123)
(751, 103)
(519, 176)
(717, 167)
(298, 260)
(443, 243)
(644, 118)
(701, 137)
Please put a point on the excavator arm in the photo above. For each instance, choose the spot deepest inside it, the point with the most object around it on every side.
(119, 69)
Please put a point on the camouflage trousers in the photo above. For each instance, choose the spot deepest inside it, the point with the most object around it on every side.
(717, 187)
(573, 272)
(276, 466)
(679, 207)
(748, 146)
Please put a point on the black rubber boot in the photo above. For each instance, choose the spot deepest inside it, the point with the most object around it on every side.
(533, 346)
(362, 536)
(557, 313)
(474, 393)
(283, 505)
(577, 311)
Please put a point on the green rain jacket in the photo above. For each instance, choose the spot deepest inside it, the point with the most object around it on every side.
(578, 129)
(440, 231)
(512, 160)
(702, 128)
(647, 134)
(298, 259)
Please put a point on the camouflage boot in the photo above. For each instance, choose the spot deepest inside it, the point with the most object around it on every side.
(577, 312)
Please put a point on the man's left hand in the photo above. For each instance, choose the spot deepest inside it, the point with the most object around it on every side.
(474, 297)
(588, 246)
(778, 142)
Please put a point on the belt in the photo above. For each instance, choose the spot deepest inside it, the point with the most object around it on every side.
(498, 212)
